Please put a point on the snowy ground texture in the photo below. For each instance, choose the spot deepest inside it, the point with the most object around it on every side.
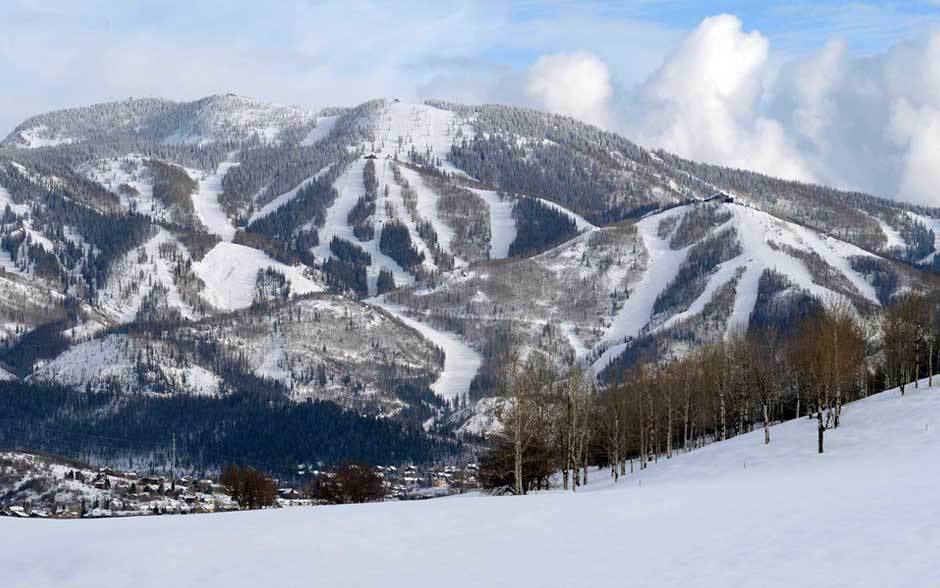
(737, 513)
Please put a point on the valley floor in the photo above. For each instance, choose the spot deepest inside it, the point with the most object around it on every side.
(736, 513)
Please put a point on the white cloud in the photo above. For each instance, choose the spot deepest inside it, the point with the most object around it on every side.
(917, 132)
(704, 103)
(869, 122)
(576, 84)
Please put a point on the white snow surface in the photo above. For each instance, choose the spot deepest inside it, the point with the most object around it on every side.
(6, 199)
(132, 171)
(230, 270)
(419, 127)
(321, 131)
(865, 514)
(115, 358)
(894, 238)
(427, 207)
(350, 187)
(461, 362)
(40, 136)
(502, 223)
(206, 201)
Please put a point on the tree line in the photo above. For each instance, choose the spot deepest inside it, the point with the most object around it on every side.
(728, 387)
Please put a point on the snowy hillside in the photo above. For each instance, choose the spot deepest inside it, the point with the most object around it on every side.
(316, 346)
(485, 228)
(709, 268)
(211, 119)
(733, 513)
(230, 272)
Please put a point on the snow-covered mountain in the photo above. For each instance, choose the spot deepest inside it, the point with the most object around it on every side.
(426, 239)
(224, 117)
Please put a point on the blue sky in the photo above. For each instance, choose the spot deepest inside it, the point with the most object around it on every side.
(57, 53)
(605, 62)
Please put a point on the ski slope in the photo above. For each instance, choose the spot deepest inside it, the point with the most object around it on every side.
(350, 188)
(402, 127)
(761, 237)
(206, 201)
(323, 129)
(461, 362)
(865, 514)
(229, 272)
(502, 223)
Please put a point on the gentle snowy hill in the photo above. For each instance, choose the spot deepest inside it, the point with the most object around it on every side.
(734, 513)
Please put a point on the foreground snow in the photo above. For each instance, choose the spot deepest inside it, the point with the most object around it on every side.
(866, 513)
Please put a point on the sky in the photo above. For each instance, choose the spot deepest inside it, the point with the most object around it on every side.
(841, 93)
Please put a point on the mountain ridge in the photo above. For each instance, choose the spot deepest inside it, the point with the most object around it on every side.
(485, 227)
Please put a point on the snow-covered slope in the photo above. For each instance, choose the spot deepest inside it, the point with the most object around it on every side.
(117, 359)
(863, 514)
(215, 118)
(461, 361)
(816, 264)
(324, 347)
(139, 272)
(206, 202)
(229, 272)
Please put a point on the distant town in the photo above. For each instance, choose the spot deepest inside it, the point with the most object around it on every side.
(36, 485)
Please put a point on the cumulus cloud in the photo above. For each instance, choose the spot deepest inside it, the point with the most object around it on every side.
(863, 122)
(704, 103)
(576, 84)
(870, 122)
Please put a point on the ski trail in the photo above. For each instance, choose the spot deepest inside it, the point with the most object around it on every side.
(206, 202)
(461, 362)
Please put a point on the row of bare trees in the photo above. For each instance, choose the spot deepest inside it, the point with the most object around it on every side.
(723, 389)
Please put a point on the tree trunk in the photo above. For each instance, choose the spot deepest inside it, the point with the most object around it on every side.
(930, 364)
(822, 430)
(766, 424)
(518, 465)
(721, 406)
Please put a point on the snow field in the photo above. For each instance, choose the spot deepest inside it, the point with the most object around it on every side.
(324, 127)
(206, 201)
(229, 272)
(350, 188)
(502, 223)
(736, 513)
